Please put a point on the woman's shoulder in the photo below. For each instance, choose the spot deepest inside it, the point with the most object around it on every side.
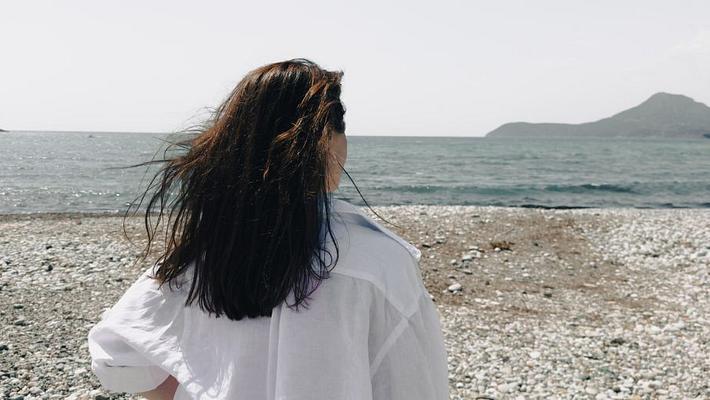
(143, 298)
(372, 252)
(368, 229)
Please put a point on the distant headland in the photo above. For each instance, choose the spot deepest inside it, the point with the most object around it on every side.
(663, 115)
(2, 130)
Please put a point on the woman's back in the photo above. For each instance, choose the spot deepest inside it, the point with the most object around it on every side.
(370, 331)
(292, 294)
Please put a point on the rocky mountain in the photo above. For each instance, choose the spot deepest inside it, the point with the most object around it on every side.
(662, 115)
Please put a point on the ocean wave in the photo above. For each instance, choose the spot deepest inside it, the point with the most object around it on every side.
(456, 189)
(509, 189)
(590, 187)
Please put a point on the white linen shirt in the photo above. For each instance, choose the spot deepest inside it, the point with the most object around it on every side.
(371, 331)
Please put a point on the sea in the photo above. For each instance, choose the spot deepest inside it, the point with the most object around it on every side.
(90, 171)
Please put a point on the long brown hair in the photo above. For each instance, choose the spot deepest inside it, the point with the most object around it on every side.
(247, 200)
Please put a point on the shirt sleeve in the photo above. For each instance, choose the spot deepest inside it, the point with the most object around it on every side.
(132, 347)
(118, 366)
(412, 361)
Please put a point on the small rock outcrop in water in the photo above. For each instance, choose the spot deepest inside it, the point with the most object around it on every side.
(662, 115)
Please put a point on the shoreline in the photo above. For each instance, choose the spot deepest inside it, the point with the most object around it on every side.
(535, 303)
(108, 214)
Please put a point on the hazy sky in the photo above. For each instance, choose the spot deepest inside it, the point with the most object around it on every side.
(434, 68)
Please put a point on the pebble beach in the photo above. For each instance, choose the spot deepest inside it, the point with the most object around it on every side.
(535, 303)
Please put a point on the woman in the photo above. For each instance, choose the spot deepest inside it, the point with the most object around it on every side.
(269, 287)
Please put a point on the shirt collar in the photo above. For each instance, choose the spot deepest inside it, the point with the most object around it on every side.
(343, 207)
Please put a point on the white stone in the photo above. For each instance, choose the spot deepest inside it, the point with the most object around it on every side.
(455, 287)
